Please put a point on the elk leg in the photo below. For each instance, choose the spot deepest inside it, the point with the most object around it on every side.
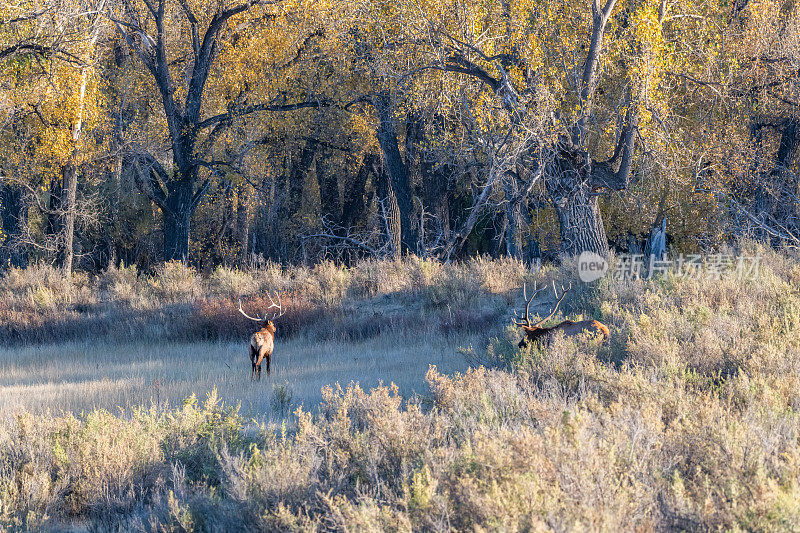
(261, 356)
(258, 367)
(268, 359)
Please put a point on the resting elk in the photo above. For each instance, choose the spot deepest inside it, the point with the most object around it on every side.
(262, 342)
(535, 332)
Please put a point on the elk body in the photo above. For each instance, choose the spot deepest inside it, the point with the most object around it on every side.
(262, 342)
(535, 332)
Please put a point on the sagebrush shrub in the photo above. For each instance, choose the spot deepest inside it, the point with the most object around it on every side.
(174, 281)
(232, 282)
(687, 419)
(120, 283)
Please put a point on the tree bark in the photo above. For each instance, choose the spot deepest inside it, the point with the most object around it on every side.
(392, 219)
(397, 170)
(70, 179)
(177, 220)
(242, 223)
(580, 223)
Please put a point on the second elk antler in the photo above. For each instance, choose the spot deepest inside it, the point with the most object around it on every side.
(536, 332)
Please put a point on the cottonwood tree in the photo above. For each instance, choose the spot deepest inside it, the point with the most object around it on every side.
(184, 47)
(374, 65)
(758, 160)
(590, 71)
(302, 130)
(49, 53)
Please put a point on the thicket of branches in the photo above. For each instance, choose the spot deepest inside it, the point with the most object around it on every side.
(134, 131)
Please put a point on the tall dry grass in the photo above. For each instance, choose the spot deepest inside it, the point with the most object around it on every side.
(175, 303)
(689, 419)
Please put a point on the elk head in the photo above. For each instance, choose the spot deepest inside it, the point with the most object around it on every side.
(262, 342)
(535, 332)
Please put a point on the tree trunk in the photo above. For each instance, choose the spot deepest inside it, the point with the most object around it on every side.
(656, 243)
(513, 231)
(580, 223)
(273, 196)
(330, 206)
(54, 218)
(242, 223)
(514, 222)
(225, 234)
(112, 229)
(297, 176)
(70, 177)
(177, 220)
(497, 236)
(397, 170)
(355, 205)
(457, 239)
(435, 195)
(390, 216)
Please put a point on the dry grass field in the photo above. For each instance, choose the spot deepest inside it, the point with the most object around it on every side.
(126, 340)
(688, 419)
(83, 376)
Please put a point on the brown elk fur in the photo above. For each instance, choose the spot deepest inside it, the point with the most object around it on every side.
(569, 328)
(262, 342)
(535, 332)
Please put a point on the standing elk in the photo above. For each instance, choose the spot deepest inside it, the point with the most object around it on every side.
(535, 332)
(262, 342)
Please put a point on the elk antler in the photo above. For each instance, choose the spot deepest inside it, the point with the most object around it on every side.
(563, 293)
(279, 305)
(273, 305)
(257, 319)
(526, 321)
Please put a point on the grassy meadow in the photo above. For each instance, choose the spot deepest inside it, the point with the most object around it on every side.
(125, 340)
(103, 375)
(126, 403)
